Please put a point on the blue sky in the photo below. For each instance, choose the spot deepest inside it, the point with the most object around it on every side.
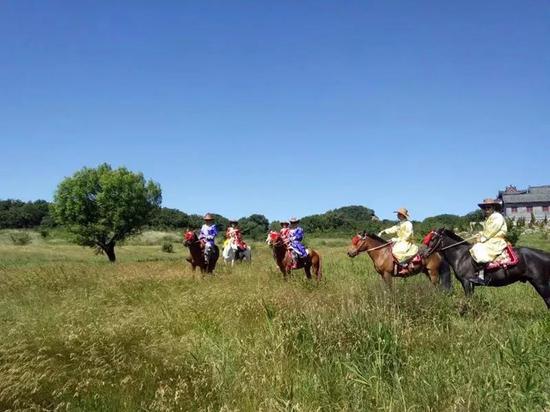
(279, 107)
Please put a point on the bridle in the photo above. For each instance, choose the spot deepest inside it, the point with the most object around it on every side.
(435, 234)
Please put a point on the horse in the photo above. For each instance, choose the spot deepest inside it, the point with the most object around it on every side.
(379, 250)
(533, 265)
(196, 248)
(283, 257)
(231, 253)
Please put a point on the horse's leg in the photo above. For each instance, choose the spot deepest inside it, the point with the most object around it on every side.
(444, 271)
(433, 275)
(467, 286)
(543, 289)
(388, 279)
(317, 267)
(282, 268)
(307, 269)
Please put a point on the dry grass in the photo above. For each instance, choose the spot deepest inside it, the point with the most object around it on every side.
(146, 333)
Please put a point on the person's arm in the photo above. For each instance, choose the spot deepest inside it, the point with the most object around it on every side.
(493, 225)
(202, 235)
(390, 230)
(299, 234)
(212, 233)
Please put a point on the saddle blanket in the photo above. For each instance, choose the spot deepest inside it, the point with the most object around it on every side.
(508, 258)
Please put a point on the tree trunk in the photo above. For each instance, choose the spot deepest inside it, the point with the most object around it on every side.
(109, 250)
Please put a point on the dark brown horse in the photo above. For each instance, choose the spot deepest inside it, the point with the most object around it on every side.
(283, 256)
(196, 248)
(379, 250)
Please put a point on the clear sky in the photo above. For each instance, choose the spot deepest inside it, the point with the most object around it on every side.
(279, 107)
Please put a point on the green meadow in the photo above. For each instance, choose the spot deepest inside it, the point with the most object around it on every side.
(147, 334)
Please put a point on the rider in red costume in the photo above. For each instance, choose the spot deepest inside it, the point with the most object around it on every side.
(234, 234)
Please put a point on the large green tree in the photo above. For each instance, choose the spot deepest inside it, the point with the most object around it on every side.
(103, 206)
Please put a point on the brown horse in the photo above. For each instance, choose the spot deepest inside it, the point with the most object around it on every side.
(380, 252)
(196, 248)
(283, 256)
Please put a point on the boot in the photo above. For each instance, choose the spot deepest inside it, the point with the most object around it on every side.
(480, 278)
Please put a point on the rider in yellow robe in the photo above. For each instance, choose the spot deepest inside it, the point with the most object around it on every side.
(403, 247)
(491, 241)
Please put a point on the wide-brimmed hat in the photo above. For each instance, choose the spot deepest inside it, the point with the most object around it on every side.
(489, 202)
(233, 221)
(294, 220)
(402, 211)
(284, 222)
(208, 216)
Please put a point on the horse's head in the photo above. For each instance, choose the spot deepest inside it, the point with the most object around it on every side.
(190, 237)
(366, 242)
(435, 240)
(358, 245)
(273, 238)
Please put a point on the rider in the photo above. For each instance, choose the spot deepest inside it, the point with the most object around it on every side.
(491, 241)
(403, 248)
(233, 234)
(208, 235)
(296, 235)
(285, 230)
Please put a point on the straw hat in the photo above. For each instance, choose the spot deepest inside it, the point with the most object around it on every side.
(294, 220)
(402, 211)
(284, 222)
(208, 217)
(490, 203)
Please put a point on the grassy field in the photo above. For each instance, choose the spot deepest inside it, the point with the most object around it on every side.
(79, 333)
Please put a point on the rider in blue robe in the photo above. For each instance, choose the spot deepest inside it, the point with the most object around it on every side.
(208, 235)
(296, 235)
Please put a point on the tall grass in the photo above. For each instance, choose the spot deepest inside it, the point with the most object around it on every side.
(146, 333)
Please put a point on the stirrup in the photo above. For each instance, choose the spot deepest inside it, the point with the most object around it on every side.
(478, 281)
(480, 278)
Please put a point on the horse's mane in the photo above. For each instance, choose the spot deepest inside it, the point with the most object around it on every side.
(451, 234)
(376, 237)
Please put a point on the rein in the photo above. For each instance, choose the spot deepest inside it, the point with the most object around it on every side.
(376, 247)
(457, 243)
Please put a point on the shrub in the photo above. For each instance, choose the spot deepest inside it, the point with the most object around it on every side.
(514, 232)
(44, 233)
(168, 247)
(20, 238)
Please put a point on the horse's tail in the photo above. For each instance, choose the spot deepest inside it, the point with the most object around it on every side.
(445, 275)
(320, 268)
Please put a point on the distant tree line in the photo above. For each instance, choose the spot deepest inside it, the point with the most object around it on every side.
(16, 214)
(342, 221)
(253, 227)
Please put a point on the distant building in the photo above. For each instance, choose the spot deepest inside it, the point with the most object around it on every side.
(522, 203)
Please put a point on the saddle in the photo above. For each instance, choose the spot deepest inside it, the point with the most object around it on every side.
(507, 259)
(407, 267)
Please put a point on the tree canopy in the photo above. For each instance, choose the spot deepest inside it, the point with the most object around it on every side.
(103, 206)
(348, 219)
